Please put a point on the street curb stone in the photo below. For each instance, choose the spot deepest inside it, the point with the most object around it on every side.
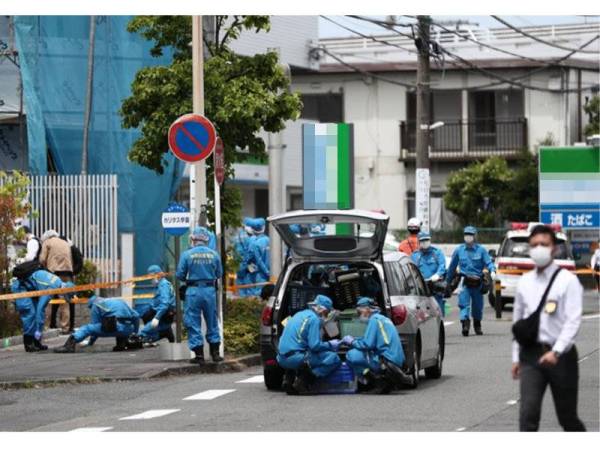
(18, 340)
(228, 366)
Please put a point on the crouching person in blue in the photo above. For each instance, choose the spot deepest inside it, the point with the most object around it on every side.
(32, 310)
(377, 357)
(159, 318)
(109, 317)
(301, 348)
(200, 268)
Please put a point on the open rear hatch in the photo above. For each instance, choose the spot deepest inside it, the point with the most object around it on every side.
(333, 234)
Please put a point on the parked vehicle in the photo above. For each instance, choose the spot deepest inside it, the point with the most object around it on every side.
(344, 262)
(513, 255)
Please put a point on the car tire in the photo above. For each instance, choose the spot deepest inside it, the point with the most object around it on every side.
(273, 377)
(435, 372)
(416, 365)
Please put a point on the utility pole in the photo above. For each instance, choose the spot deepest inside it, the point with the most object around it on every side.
(88, 97)
(275, 149)
(198, 170)
(422, 177)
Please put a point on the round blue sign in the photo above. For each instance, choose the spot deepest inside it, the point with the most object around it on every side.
(176, 219)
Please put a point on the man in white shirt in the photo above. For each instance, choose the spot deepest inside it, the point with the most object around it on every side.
(33, 246)
(553, 360)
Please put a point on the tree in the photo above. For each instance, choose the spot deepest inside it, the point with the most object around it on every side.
(243, 94)
(592, 109)
(487, 193)
(13, 205)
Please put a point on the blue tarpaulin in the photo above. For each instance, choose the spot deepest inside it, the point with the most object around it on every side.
(53, 53)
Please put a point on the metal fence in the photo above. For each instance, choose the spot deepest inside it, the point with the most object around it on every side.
(84, 209)
(472, 139)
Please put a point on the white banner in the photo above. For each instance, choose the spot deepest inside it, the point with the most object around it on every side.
(176, 220)
(423, 184)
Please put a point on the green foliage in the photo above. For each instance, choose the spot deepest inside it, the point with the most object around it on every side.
(89, 274)
(592, 109)
(488, 193)
(243, 94)
(242, 325)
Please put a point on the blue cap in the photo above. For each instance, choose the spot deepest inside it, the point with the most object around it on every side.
(154, 268)
(200, 234)
(423, 236)
(322, 301)
(365, 302)
(470, 230)
(246, 221)
(258, 224)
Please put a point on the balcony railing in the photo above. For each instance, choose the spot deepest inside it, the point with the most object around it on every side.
(472, 139)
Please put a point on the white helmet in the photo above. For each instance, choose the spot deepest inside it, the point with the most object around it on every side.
(414, 225)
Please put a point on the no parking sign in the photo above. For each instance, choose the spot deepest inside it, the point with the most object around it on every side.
(192, 138)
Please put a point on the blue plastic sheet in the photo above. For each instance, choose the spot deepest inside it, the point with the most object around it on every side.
(53, 52)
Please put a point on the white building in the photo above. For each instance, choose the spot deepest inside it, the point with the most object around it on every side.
(498, 119)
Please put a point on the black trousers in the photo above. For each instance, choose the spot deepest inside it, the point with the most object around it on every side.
(563, 380)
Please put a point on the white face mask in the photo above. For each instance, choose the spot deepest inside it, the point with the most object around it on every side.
(425, 244)
(542, 256)
(469, 238)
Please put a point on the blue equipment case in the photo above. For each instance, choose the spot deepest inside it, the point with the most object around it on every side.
(341, 381)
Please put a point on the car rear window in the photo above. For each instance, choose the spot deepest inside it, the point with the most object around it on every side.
(518, 247)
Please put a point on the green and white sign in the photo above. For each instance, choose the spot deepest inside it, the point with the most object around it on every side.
(570, 186)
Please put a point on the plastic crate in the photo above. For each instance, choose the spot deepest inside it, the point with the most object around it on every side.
(300, 296)
(341, 381)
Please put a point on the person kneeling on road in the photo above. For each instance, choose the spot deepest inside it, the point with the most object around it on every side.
(109, 317)
(301, 348)
(377, 357)
(32, 310)
(159, 318)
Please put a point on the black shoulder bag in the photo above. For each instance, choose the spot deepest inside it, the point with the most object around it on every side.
(526, 330)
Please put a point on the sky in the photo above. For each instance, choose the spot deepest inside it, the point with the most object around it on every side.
(328, 29)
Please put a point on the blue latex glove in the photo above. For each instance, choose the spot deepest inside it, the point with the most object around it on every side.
(335, 344)
(348, 340)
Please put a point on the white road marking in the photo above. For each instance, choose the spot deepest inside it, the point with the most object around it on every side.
(512, 402)
(210, 394)
(461, 429)
(151, 414)
(255, 379)
(595, 316)
(91, 429)
(447, 324)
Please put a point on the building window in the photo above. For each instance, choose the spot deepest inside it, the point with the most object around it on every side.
(326, 108)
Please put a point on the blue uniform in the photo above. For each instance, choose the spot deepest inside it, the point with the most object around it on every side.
(301, 342)
(381, 340)
(242, 246)
(33, 310)
(471, 260)
(212, 240)
(163, 303)
(127, 320)
(430, 262)
(259, 256)
(200, 267)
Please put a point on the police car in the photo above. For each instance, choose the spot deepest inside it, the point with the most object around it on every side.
(514, 255)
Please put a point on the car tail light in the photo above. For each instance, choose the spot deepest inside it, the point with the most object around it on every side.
(270, 362)
(267, 316)
(399, 314)
(515, 266)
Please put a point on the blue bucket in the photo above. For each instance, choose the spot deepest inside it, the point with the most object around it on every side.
(341, 381)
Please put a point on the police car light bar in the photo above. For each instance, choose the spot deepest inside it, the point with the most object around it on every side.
(518, 226)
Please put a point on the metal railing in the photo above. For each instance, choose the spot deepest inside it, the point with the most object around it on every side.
(84, 209)
(472, 139)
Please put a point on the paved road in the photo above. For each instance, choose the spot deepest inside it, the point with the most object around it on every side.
(474, 394)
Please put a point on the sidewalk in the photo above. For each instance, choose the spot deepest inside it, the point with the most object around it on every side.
(19, 369)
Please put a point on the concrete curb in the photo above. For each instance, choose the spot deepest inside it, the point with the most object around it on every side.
(18, 340)
(228, 366)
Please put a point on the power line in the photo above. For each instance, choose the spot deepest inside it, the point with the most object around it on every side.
(361, 71)
(535, 38)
